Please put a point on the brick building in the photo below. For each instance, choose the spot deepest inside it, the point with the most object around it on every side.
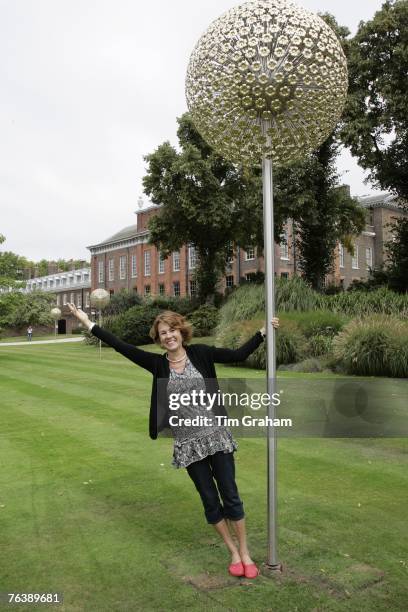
(126, 260)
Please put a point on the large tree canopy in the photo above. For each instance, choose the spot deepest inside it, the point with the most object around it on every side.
(376, 119)
(206, 201)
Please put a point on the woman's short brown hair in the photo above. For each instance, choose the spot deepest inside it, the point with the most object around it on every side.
(174, 320)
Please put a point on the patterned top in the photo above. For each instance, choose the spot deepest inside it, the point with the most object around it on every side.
(193, 443)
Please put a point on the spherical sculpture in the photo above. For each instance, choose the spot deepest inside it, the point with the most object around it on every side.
(55, 313)
(267, 79)
(99, 298)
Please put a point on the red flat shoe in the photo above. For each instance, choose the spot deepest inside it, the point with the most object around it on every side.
(251, 571)
(236, 569)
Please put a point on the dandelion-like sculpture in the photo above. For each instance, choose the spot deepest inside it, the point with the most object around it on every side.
(99, 298)
(266, 83)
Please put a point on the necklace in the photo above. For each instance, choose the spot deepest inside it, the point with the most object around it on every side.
(176, 360)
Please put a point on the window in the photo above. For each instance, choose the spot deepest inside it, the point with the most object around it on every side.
(341, 256)
(87, 302)
(369, 258)
(284, 274)
(161, 288)
(176, 288)
(79, 300)
(134, 266)
(57, 283)
(191, 257)
(370, 216)
(250, 254)
(229, 281)
(354, 261)
(176, 261)
(134, 289)
(147, 290)
(122, 267)
(111, 269)
(51, 283)
(230, 258)
(58, 299)
(161, 263)
(64, 299)
(147, 265)
(72, 298)
(100, 271)
(249, 276)
(193, 287)
(284, 246)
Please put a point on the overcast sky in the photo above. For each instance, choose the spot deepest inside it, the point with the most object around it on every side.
(87, 89)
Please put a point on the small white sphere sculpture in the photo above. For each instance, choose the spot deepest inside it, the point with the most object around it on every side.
(267, 79)
(99, 298)
(56, 313)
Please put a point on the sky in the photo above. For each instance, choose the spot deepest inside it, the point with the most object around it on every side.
(89, 87)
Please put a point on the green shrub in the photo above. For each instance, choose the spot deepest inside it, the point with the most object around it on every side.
(289, 345)
(134, 325)
(373, 346)
(319, 345)
(182, 305)
(121, 302)
(316, 322)
(308, 365)
(204, 320)
(360, 303)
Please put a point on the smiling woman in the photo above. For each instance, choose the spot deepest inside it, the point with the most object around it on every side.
(205, 450)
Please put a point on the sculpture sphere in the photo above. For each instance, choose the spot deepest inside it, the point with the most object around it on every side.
(266, 79)
(55, 313)
(99, 298)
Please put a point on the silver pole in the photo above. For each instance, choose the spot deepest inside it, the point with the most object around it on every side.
(269, 259)
(100, 341)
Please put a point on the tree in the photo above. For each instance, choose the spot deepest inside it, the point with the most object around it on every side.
(376, 119)
(323, 212)
(18, 309)
(397, 251)
(206, 201)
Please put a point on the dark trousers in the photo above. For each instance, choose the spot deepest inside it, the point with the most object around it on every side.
(214, 471)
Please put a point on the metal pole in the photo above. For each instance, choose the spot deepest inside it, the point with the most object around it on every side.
(269, 260)
(100, 341)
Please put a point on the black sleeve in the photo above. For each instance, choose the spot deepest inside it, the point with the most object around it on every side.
(144, 359)
(225, 355)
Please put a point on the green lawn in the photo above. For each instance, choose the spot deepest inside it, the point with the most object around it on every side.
(92, 508)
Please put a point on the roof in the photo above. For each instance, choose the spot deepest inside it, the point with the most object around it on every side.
(384, 199)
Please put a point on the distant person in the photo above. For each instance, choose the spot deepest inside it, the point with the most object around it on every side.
(205, 451)
(29, 333)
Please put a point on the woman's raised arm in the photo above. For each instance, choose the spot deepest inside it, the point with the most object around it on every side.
(144, 359)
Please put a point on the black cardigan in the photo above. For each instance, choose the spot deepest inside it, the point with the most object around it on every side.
(201, 356)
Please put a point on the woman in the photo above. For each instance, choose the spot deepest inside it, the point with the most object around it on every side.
(206, 452)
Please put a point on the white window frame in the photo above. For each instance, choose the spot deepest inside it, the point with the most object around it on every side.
(111, 269)
(72, 298)
(284, 246)
(250, 254)
(227, 282)
(161, 263)
(176, 261)
(147, 263)
(58, 299)
(100, 271)
(87, 299)
(134, 266)
(122, 267)
(354, 259)
(79, 300)
(147, 290)
(164, 289)
(192, 257)
(174, 288)
(369, 259)
(341, 255)
(192, 286)
(64, 299)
